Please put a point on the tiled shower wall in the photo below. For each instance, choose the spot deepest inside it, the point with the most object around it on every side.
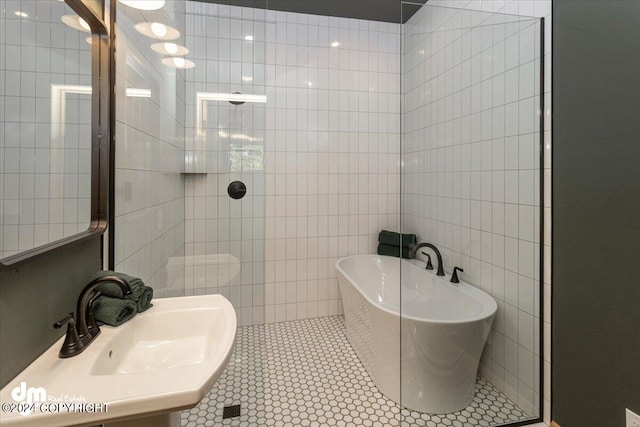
(330, 150)
(225, 143)
(471, 153)
(45, 151)
(149, 196)
(332, 154)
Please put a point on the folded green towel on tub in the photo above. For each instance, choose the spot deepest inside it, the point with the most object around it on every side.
(389, 250)
(393, 239)
(113, 311)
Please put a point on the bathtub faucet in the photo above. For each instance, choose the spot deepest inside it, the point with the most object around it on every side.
(413, 250)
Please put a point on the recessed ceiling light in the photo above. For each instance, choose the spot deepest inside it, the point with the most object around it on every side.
(84, 24)
(157, 30)
(144, 4)
(21, 14)
(335, 44)
(177, 62)
(75, 22)
(247, 78)
(248, 38)
(169, 49)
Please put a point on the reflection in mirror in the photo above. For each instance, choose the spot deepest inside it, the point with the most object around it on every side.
(45, 125)
(215, 118)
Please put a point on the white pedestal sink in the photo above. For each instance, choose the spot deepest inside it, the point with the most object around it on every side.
(162, 361)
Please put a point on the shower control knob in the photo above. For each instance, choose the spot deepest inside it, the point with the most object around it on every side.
(237, 190)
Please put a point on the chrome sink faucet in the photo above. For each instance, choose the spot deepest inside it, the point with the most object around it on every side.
(81, 331)
(413, 250)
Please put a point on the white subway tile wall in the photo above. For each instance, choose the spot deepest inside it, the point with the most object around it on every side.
(225, 142)
(329, 141)
(471, 157)
(45, 126)
(149, 193)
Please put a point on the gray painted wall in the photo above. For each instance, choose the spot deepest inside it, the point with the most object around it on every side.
(596, 211)
(36, 295)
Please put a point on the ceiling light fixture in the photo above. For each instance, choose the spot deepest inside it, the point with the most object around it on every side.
(171, 49)
(248, 38)
(21, 14)
(144, 4)
(335, 44)
(77, 23)
(157, 30)
(84, 24)
(177, 62)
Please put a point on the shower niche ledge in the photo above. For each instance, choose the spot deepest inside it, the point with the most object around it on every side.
(136, 375)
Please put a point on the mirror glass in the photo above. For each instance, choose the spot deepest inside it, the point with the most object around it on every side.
(45, 124)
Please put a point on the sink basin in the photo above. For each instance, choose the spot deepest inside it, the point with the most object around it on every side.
(159, 342)
(163, 360)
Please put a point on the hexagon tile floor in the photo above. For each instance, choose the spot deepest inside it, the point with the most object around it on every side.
(305, 373)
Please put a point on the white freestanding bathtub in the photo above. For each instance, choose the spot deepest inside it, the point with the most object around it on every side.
(419, 336)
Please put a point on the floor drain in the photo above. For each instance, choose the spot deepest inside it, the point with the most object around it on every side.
(231, 412)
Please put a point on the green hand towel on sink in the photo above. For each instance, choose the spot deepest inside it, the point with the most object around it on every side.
(141, 294)
(143, 301)
(113, 311)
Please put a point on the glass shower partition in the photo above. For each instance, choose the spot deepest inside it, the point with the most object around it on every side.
(224, 156)
(189, 174)
(224, 178)
(189, 187)
(471, 182)
(147, 230)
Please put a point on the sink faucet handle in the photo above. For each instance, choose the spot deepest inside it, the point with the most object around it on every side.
(69, 319)
(429, 265)
(72, 342)
(454, 275)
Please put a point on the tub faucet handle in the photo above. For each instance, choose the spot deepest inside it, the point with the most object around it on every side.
(454, 275)
(429, 265)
